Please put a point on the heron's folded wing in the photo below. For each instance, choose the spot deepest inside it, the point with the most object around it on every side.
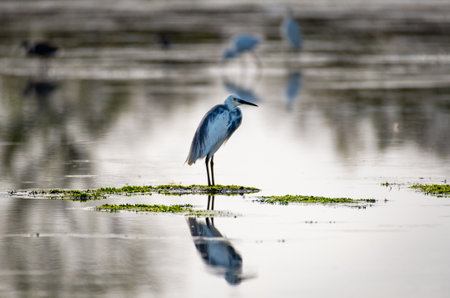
(210, 134)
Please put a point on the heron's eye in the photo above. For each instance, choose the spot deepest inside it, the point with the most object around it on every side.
(234, 98)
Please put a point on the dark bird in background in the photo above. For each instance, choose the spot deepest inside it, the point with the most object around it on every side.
(164, 41)
(41, 49)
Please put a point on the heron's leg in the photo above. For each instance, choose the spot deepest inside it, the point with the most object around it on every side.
(207, 169)
(212, 172)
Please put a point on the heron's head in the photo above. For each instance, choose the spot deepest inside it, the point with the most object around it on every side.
(233, 101)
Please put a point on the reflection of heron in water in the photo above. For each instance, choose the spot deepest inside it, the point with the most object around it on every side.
(293, 88)
(243, 92)
(216, 251)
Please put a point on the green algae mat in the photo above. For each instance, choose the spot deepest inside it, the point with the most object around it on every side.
(178, 190)
(185, 209)
(287, 199)
(438, 190)
(104, 192)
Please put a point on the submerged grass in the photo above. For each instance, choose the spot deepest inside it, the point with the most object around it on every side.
(287, 199)
(439, 190)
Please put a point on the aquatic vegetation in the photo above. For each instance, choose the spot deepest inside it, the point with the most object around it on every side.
(75, 195)
(186, 209)
(169, 189)
(205, 189)
(439, 190)
(127, 189)
(287, 199)
(146, 208)
(389, 184)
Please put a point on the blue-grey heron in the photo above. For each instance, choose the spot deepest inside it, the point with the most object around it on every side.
(216, 127)
(241, 44)
(291, 31)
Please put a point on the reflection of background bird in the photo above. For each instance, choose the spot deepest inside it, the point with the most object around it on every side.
(241, 91)
(215, 250)
(42, 89)
(293, 88)
(216, 127)
(290, 30)
(40, 49)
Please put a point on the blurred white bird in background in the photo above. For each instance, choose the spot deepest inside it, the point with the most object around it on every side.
(290, 30)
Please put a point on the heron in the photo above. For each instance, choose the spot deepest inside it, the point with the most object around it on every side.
(241, 44)
(214, 129)
(40, 49)
(291, 31)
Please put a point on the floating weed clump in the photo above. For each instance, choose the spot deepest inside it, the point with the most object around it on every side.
(204, 189)
(128, 189)
(75, 195)
(287, 199)
(146, 208)
(439, 190)
(169, 189)
(186, 209)
(390, 184)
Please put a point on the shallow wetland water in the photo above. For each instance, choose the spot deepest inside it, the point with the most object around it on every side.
(365, 102)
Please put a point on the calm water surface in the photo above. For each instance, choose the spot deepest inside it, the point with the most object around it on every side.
(366, 101)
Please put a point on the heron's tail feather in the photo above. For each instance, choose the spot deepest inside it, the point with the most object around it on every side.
(190, 160)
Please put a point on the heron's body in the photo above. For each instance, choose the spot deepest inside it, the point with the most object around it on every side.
(291, 31)
(215, 128)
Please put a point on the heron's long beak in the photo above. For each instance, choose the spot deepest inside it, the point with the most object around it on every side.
(246, 102)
